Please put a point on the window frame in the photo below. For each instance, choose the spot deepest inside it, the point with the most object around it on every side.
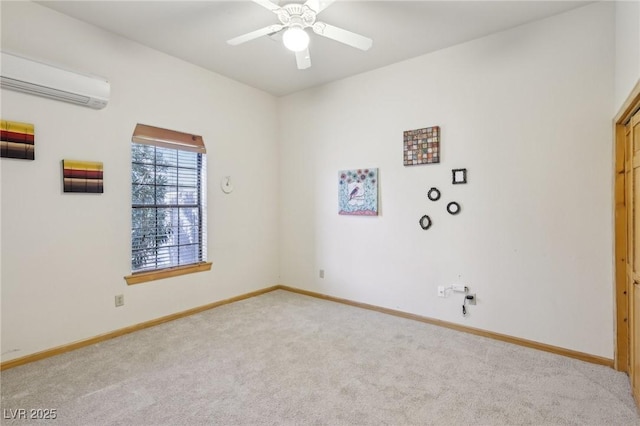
(169, 139)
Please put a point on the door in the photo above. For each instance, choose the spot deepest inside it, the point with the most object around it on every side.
(632, 202)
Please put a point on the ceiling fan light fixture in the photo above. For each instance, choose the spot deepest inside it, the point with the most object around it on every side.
(295, 39)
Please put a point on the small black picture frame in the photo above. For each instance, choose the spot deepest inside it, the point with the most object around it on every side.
(453, 208)
(425, 222)
(433, 194)
(458, 176)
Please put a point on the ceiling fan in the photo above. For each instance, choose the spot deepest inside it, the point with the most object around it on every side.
(295, 18)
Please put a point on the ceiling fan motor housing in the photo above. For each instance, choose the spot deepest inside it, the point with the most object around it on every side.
(297, 15)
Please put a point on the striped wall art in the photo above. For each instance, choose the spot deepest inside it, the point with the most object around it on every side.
(16, 140)
(82, 176)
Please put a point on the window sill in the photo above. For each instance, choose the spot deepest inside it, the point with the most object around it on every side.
(143, 277)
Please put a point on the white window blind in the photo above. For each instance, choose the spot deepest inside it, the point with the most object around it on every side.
(168, 217)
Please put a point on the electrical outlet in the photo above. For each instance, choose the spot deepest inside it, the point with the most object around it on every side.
(461, 288)
(119, 300)
(321, 273)
(441, 291)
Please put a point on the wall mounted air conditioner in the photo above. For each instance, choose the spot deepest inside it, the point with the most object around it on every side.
(37, 78)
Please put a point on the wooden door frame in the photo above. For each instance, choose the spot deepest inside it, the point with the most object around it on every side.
(620, 230)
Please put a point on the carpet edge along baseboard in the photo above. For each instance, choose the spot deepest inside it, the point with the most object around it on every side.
(130, 329)
(594, 359)
(136, 327)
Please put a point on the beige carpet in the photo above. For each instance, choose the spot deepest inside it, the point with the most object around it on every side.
(283, 358)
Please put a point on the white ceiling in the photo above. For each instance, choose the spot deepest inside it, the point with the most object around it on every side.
(196, 31)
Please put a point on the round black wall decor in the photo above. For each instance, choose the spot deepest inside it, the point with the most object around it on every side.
(433, 194)
(425, 222)
(453, 208)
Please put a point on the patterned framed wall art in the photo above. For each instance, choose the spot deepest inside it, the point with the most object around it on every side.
(422, 146)
(82, 176)
(358, 192)
(17, 140)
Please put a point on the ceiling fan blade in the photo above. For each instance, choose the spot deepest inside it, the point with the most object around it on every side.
(303, 59)
(343, 36)
(255, 34)
(318, 5)
(268, 5)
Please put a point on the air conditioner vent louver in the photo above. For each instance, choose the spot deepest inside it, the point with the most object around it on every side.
(48, 92)
(37, 78)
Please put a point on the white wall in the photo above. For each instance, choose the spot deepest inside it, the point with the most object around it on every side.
(64, 256)
(528, 112)
(627, 22)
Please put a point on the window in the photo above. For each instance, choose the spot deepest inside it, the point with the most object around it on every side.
(168, 202)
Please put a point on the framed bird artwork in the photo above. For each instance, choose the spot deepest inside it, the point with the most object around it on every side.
(358, 192)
